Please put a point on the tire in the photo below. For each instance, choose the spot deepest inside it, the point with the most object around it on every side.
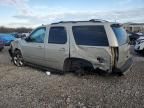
(18, 58)
(77, 68)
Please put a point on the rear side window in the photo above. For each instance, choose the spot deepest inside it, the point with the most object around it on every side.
(90, 35)
(57, 35)
(121, 34)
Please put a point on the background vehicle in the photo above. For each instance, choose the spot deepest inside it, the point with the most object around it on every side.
(20, 35)
(7, 38)
(1, 45)
(16, 35)
(75, 46)
(140, 34)
(139, 46)
(25, 35)
(133, 37)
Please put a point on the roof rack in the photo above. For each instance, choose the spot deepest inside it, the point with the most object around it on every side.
(98, 20)
(92, 20)
(65, 22)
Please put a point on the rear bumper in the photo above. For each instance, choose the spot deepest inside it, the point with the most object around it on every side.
(124, 67)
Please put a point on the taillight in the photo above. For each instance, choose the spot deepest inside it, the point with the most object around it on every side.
(115, 56)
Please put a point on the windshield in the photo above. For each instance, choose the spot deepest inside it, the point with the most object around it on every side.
(121, 34)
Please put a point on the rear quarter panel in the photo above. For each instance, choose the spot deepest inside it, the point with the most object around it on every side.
(91, 53)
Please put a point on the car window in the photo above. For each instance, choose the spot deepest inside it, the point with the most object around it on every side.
(38, 35)
(57, 35)
(90, 35)
(121, 34)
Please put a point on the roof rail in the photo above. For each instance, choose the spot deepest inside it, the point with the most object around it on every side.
(98, 20)
(65, 22)
(92, 20)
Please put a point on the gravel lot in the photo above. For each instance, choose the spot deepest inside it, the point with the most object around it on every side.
(27, 87)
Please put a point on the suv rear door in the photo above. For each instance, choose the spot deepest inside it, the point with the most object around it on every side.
(57, 48)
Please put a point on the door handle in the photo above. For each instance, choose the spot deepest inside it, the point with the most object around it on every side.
(62, 49)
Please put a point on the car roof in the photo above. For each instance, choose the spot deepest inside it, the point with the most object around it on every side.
(76, 23)
(83, 23)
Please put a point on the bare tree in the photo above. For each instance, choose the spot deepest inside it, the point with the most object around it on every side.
(18, 30)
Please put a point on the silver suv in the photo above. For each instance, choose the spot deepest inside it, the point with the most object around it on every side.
(75, 46)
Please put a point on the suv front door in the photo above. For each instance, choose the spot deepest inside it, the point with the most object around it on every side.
(33, 49)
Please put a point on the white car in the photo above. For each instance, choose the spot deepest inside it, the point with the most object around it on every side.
(139, 46)
(140, 34)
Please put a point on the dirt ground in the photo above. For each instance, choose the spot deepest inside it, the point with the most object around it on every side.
(28, 87)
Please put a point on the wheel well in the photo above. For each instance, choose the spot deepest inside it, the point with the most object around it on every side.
(12, 51)
(16, 49)
(85, 64)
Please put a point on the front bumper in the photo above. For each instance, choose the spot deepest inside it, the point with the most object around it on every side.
(7, 42)
(124, 67)
(10, 52)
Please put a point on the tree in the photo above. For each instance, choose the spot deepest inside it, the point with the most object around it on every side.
(18, 30)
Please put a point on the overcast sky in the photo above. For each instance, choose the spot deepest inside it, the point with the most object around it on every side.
(31, 13)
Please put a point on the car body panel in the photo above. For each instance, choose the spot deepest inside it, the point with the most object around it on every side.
(33, 52)
(91, 53)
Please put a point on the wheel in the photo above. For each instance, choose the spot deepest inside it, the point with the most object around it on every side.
(18, 59)
(77, 68)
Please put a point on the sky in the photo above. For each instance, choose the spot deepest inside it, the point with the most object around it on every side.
(32, 13)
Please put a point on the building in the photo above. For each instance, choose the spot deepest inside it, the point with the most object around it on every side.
(134, 27)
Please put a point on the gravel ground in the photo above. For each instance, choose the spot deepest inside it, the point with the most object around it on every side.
(27, 87)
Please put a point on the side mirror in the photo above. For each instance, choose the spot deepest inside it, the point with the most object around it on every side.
(27, 39)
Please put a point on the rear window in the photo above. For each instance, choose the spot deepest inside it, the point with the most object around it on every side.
(121, 34)
(90, 35)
